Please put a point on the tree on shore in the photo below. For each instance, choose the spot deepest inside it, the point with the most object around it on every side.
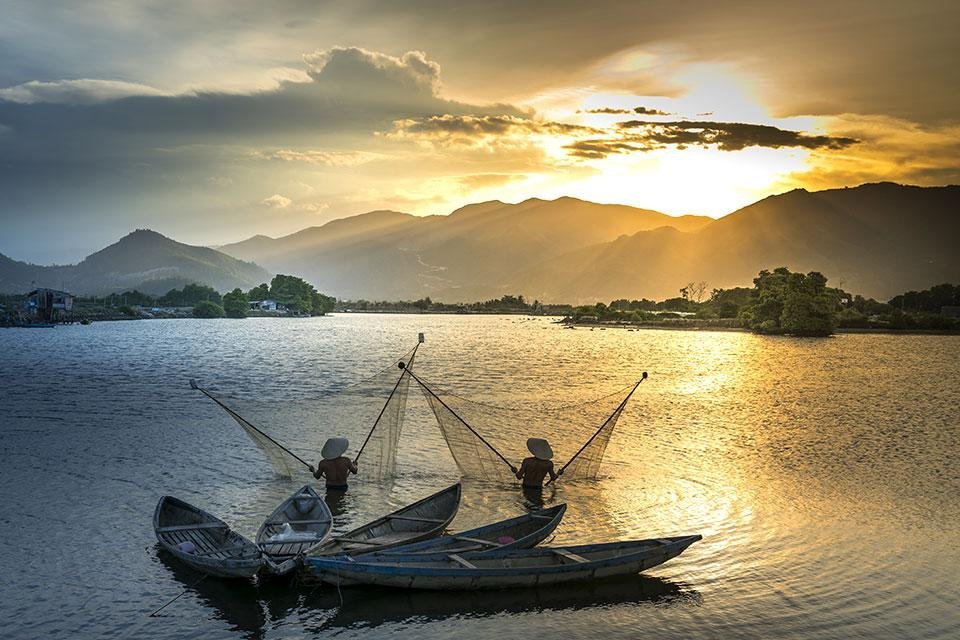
(207, 309)
(299, 296)
(236, 304)
(259, 293)
(792, 303)
(189, 296)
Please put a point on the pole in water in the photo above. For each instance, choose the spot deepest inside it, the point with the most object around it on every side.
(387, 403)
(602, 427)
(236, 416)
(176, 597)
(402, 365)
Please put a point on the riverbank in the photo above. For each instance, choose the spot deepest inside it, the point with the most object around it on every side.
(712, 325)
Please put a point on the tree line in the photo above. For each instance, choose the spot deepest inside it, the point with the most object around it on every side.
(296, 295)
(785, 302)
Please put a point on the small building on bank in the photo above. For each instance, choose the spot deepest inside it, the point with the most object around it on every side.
(49, 305)
(266, 305)
(950, 311)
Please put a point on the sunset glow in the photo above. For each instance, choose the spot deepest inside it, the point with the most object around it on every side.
(318, 119)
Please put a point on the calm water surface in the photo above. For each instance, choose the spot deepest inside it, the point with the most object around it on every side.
(822, 474)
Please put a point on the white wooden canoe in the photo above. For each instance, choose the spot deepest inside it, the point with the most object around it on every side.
(302, 522)
(521, 532)
(423, 519)
(504, 569)
(216, 549)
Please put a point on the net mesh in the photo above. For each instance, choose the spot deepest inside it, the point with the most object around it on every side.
(476, 431)
(369, 412)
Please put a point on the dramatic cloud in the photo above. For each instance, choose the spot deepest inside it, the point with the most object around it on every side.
(323, 158)
(599, 149)
(469, 129)
(93, 148)
(608, 111)
(726, 136)
(343, 64)
(645, 111)
(75, 92)
(890, 149)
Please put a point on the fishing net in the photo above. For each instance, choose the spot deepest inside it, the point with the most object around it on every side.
(278, 414)
(478, 433)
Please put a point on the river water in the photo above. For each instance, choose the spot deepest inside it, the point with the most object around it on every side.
(822, 474)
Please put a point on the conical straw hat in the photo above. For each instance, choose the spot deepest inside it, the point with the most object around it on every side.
(334, 448)
(540, 448)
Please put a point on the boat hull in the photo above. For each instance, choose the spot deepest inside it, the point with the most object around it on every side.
(416, 575)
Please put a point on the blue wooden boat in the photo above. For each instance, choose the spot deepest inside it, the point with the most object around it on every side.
(503, 569)
(521, 532)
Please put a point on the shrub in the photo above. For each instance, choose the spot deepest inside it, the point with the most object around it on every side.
(207, 309)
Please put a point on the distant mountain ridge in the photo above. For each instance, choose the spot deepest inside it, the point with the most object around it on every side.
(143, 260)
(471, 253)
(876, 239)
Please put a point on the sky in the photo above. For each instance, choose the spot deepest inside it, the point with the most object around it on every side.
(214, 121)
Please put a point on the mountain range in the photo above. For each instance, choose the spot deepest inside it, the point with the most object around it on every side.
(875, 239)
(143, 260)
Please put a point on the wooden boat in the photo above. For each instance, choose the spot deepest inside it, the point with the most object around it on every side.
(504, 569)
(203, 541)
(423, 519)
(522, 532)
(302, 522)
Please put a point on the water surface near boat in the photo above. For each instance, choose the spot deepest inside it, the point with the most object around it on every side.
(821, 473)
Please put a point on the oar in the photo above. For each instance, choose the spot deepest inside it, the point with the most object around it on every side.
(238, 417)
(386, 404)
(602, 427)
(403, 366)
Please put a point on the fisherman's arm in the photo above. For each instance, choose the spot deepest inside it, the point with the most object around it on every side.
(521, 471)
(352, 466)
(553, 476)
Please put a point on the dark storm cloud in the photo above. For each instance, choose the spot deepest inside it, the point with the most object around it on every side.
(643, 111)
(646, 111)
(599, 149)
(608, 111)
(473, 126)
(729, 136)
(726, 136)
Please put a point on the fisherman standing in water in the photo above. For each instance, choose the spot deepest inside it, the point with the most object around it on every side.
(334, 466)
(534, 469)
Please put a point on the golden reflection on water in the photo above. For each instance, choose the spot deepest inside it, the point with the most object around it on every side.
(821, 473)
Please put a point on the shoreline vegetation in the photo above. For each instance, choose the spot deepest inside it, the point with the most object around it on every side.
(780, 302)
